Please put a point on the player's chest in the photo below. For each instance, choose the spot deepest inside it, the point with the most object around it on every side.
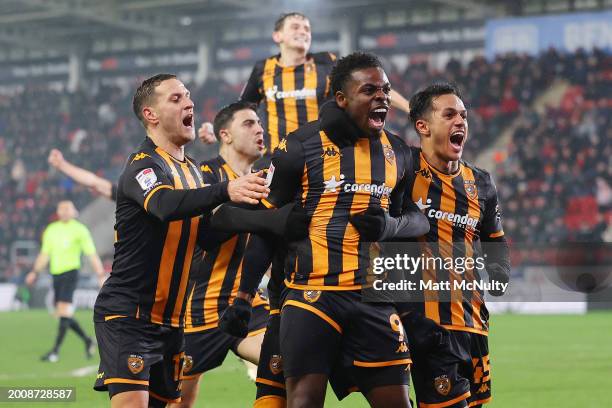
(448, 202)
(357, 172)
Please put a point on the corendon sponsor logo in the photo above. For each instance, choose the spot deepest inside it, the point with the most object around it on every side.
(272, 94)
(377, 190)
(462, 221)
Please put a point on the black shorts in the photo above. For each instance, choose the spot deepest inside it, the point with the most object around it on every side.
(458, 376)
(138, 355)
(324, 330)
(64, 286)
(206, 349)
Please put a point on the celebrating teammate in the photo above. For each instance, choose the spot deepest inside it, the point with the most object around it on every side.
(139, 313)
(214, 280)
(448, 330)
(347, 171)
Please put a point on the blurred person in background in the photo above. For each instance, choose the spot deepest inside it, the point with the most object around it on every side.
(63, 242)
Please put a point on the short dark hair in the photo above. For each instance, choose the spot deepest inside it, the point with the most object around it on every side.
(280, 22)
(421, 102)
(226, 115)
(145, 92)
(341, 73)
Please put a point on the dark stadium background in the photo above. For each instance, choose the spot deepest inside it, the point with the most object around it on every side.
(536, 75)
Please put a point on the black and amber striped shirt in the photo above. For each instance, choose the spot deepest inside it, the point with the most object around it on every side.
(213, 288)
(159, 200)
(462, 209)
(334, 183)
(291, 95)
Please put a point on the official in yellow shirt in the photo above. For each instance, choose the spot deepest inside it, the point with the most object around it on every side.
(63, 243)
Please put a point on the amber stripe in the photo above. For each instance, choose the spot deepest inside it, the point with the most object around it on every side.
(445, 237)
(211, 297)
(391, 175)
(473, 212)
(272, 115)
(290, 104)
(315, 311)
(171, 243)
(321, 216)
(311, 82)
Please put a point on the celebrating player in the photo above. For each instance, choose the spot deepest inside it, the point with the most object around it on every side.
(448, 330)
(139, 313)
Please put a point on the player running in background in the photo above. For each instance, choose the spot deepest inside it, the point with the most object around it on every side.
(451, 366)
(63, 242)
(139, 313)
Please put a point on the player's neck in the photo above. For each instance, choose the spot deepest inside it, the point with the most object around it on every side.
(174, 150)
(443, 166)
(291, 58)
(240, 164)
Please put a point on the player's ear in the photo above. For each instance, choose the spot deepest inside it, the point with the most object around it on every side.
(225, 136)
(277, 37)
(149, 114)
(341, 99)
(422, 127)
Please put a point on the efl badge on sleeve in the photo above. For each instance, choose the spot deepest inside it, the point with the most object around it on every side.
(470, 189)
(146, 178)
(270, 175)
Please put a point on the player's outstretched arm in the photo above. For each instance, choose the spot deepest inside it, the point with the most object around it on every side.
(84, 177)
(399, 102)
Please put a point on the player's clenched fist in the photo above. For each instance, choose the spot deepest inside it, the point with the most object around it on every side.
(55, 158)
(248, 189)
(206, 133)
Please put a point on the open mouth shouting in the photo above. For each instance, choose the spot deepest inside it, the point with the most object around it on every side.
(188, 121)
(457, 140)
(377, 116)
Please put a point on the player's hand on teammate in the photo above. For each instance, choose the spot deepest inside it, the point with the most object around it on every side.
(206, 133)
(248, 189)
(235, 319)
(370, 224)
(499, 274)
(56, 158)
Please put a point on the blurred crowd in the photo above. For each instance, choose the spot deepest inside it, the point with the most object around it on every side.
(554, 180)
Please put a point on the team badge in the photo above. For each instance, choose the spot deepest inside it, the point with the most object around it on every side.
(276, 364)
(389, 154)
(135, 363)
(187, 364)
(470, 189)
(146, 178)
(442, 385)
(312, 296)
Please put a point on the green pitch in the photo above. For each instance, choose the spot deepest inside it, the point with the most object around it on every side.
(537, 361)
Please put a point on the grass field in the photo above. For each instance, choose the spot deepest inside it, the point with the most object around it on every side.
(537, 361)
